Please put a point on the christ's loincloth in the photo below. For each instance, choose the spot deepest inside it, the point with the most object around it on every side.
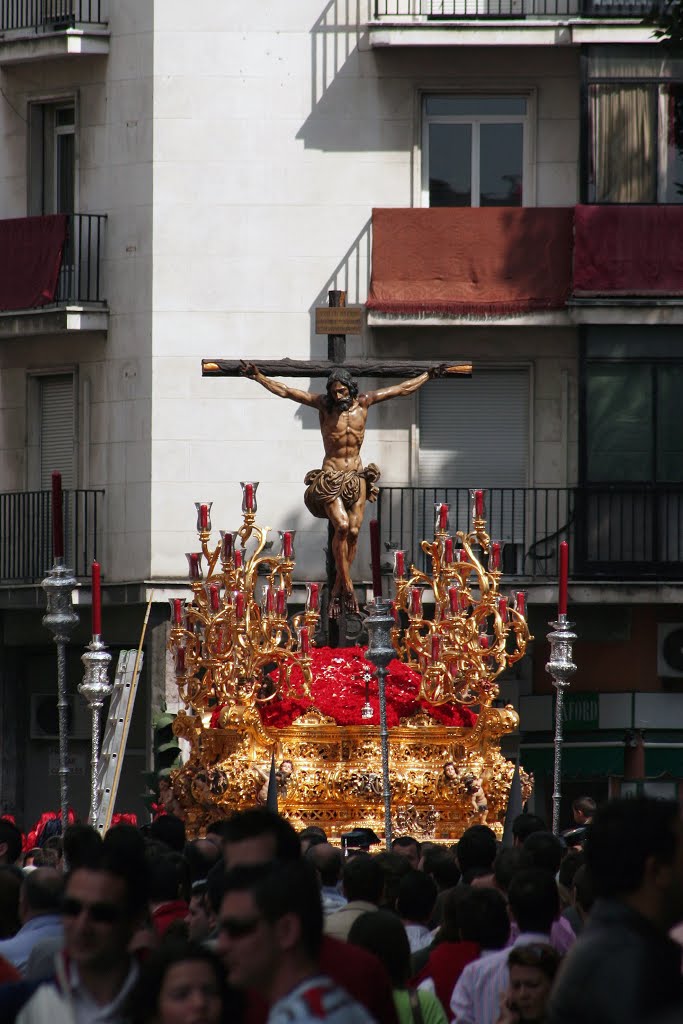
(326, 485)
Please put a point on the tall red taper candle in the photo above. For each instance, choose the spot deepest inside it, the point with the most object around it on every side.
(57, 516)
(96, 600)
(374, 554)
(564, 576)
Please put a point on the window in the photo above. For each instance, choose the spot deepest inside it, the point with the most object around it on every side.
(635, 128)
(475, 150)
(52, 161)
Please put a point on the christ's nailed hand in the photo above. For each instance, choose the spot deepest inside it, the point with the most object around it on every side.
(248, 369)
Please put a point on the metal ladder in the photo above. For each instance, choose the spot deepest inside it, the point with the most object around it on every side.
(115, 738)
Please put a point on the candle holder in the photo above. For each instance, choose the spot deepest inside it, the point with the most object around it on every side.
(561, 668)
(95, 689)
(380, 652)
(61, 619)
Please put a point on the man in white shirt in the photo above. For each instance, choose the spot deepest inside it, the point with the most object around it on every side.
(534, 904)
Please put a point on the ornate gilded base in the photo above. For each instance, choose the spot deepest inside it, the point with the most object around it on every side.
(443, 779)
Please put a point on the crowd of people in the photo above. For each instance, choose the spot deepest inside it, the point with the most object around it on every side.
(254, 923)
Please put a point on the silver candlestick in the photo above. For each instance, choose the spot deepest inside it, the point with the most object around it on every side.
(96, 688)
(561, 668)
(380, 652)
(60, 619)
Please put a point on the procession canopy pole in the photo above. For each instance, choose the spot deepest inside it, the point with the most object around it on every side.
(321, 368)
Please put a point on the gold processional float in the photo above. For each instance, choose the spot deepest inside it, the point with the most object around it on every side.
(256, 687)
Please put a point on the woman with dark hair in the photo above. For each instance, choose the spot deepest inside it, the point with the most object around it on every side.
(381, 933)
(532, 972)
(181, 983)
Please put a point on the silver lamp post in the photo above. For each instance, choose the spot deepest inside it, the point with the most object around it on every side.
(380, 652)
(95, 688)
(60, 619)
(561, 668)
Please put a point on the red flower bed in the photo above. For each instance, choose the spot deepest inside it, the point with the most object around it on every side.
(338, 690)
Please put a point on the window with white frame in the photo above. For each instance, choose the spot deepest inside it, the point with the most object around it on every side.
(52, 157)
(475, 150)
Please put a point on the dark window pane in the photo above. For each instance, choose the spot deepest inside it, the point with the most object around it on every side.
(669, 431)
(450, 165)
(475, 106)
(674, 145)
(501, 148)
(619, 428)
(65, 173)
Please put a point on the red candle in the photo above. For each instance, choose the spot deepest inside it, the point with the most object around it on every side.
(287, 545)
(443, 517)
(520, 602)
(249, 497)
(204, 516)
(453, 593)
(503, 608)
(215, 592)
(564, 577)
(194, 560)
(96, 600)
(180, 659)
(483, 641)
(239, 604)
(494, 557)
(312, 597)
(415, 601)
(281, 602)
(436, 648)
(479, 504)
(177, 609)
(304, 642)
(448, 550)
(460, 555)
(57, 517)
(399, 564)
(238, 558)
(374, 554)
(270, 600)
(226, 548)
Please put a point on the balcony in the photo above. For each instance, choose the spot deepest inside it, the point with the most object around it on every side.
(52, 281)
(616, 533)
(526, 266)
(26, 533)
(508, 22)
(33, 30)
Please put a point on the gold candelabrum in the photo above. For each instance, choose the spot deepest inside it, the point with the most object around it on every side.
(227, 635)
(228, 639)
(475, 632)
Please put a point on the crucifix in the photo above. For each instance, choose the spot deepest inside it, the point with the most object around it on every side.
(339, 490)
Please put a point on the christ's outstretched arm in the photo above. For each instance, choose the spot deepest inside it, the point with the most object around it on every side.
(279, 389)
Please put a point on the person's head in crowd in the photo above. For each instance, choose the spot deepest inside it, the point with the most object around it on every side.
(200, 921)
(440, 865)
(201, 855)
(565, 878)
(583, 809)
(583, 894)
(41, 893)
(169, 877)
(417, 894)
(406, 846)
(394, 868)
(258, 836)
(476, 848)
(169, 829)
(634, 854)
(81, 843)
(546, 850)
(11, 878)
(181, 983)
(382, 933)
(534, 900)
(327, 861)
(271, 926)
(34, 858)
(532, 969)
(363, 879)
(10, 842)
(310, 836)
(481, 916)
(105, 901)
(508, 862)
(215, 831)
(525, 825)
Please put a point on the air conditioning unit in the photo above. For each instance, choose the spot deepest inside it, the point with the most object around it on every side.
(670, 650)
(45, 717)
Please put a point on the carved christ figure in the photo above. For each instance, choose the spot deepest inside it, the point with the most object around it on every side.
(338, 491)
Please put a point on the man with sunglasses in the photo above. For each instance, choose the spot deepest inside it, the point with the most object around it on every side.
(104, 901)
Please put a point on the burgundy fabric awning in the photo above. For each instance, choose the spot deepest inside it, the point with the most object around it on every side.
(628, 250)
(30, 259)
(490, 261)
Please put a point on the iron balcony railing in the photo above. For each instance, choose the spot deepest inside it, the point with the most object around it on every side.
(615, 531)
(50, 15)
(80, 278)
(456, 10)
(26, 533)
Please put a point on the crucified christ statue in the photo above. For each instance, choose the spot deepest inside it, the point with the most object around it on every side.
(338, 491)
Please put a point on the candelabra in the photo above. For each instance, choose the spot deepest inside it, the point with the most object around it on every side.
(561, 668)
(380, 652)
(476, 632)
(95, 688)
(226, 642)
(60, 619)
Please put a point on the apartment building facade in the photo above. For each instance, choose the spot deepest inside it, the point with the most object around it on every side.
(497, 180)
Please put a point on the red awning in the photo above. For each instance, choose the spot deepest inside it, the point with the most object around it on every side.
(490, 261)
(628, 250)
(30, 258)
